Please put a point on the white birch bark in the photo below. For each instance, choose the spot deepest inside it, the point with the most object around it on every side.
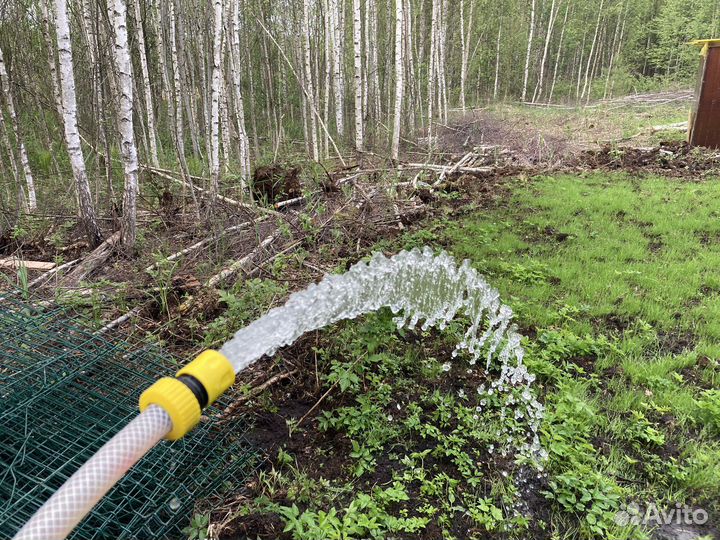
(327, 83)
(616, 45)
(128, 149)
(357, 64)
(338, 80)
(592, 51)
(51, 57)
(557, 57)
(177, 107)
(548, 36)
(72, 135)
(432, 67)
(496, 86)
(442, 62)
(529, 51)
(147, 89)
(373, 69)
(465, 41)
(29, 182)
(399, 77)
(309, 83)
(238, 104)
(22, 202)
(162, 51)
(215, 99)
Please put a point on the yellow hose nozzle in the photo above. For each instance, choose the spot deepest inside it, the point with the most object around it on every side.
(196, 386)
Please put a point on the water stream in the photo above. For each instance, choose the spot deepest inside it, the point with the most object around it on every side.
(417, 286)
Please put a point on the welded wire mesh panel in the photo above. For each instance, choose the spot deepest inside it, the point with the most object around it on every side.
(65, 392)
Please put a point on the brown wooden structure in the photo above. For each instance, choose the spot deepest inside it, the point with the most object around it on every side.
(704, 125)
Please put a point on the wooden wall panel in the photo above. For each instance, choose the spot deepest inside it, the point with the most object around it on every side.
(706, 118)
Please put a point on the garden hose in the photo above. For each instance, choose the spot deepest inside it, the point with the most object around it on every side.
(170, 408)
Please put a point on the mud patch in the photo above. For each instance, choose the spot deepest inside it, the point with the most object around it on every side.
(674, 159)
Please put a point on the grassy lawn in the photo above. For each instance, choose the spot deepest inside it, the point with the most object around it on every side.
(614, 282)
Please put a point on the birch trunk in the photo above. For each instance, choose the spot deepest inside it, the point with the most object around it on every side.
(373, 67)
(529, 51)
(309, 83)
(72, 135)
(557, 58)
(592, 51)
(496, 86)
(465, 39)
(51, 57)
(128, 149)
(338, 81)
(177, 107)
(327, 86)
(399, 77)
(29, 182)
(156, 19)
(432, 67)
(357, 64)
(239, 107)
(147, 89)
(22, 202)
(616, 46)
(409, 67)
(548, 36)
(215, 100)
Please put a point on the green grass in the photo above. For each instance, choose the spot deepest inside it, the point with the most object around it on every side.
(614, 280)
(633, 261)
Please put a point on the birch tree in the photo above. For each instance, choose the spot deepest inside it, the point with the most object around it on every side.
(128, 149)
(149, 105)
(529, 51)
(357, 64)
(592, 51)
(465, 42)
(238, 104)
(215, 99)
(559, 51)
(72, 135)
(337, 48)
(308, 78)
(399, 77)
(7, 91)
(548, 36)
(496, 86)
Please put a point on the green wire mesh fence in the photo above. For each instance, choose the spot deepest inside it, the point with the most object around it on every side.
(64, 392)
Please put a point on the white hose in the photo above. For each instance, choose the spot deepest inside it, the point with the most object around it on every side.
(76, 497)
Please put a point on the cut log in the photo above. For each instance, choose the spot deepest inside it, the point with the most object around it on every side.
(47, 275)
(16, 263)
(92, 262)
(445, 168)
(678, 126)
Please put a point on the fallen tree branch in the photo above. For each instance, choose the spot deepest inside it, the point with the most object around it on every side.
(204, 191)
(120, 320)
(206, 241)
(677, 126)
(441, 168)
(238, 402)
(238, 265)
(47, 275)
